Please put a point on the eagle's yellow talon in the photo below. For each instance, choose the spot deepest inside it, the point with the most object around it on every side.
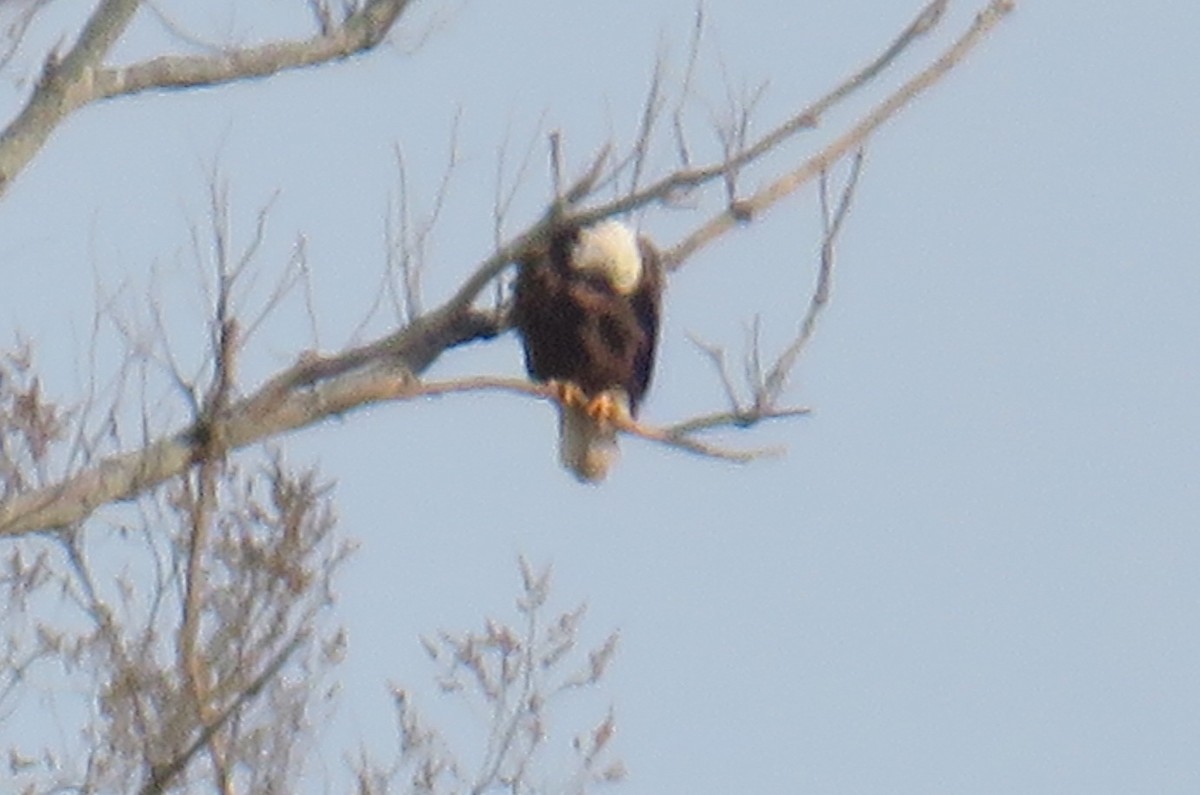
(604, 408)
(567, 393)
(597, 408)
(575, 396)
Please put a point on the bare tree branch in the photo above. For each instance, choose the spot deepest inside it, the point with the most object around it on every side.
(853, 139)
(685, 90)
(504, 196)
(514, 674)
(81, 78)
(679, 436)
(362, 31)
(192, 664)
(662, 191)
(160, 777)
(776, 377)
(716, 355)
(178, 32)
(308, 392)
(64, 86)
(651, 110)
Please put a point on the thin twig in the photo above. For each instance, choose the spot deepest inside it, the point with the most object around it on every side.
(832, 224)
(685, 89)
(193, 664)
(716, 355)
(181, 33)
(556, 165)
(162, 776)
(504, 198)
(650, 112)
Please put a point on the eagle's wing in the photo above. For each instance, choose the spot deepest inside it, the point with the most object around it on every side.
(647, 306)
(544, 317)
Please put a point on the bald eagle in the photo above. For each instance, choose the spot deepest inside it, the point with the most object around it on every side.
(587, 308)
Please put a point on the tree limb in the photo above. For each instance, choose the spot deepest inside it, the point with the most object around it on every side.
(679, 436)
(161, 776)
(364, 30)
(80, 78)
(64, 87)
(312, 390)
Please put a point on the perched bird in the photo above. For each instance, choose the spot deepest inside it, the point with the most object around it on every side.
(587, 308)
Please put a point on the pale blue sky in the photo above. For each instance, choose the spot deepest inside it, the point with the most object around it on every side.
(975, 570)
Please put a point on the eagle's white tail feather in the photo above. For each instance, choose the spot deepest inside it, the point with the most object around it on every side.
(586, 447)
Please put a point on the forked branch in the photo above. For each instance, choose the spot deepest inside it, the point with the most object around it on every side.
(80, 77)
(317, 387)
(162, 777)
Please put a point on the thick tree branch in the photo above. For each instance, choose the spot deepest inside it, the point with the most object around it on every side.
(64, 87)
(362, 31)
(80, 78)
(315, 388)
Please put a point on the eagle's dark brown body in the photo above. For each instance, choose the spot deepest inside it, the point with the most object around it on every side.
(579, 327)
(576, 327)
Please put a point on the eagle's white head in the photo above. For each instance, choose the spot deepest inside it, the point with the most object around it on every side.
(611, 249)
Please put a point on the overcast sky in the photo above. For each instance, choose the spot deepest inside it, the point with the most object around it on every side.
(975, 570)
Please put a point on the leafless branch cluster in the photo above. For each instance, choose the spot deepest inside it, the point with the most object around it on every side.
(30, 425)
(517, 673)
(318, 386)
(188, 656)
(227, 562)
(766, 383)
(408, 233)
(184, 650)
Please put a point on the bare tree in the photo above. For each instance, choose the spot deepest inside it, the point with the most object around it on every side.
(233, 558)
(518, 673)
